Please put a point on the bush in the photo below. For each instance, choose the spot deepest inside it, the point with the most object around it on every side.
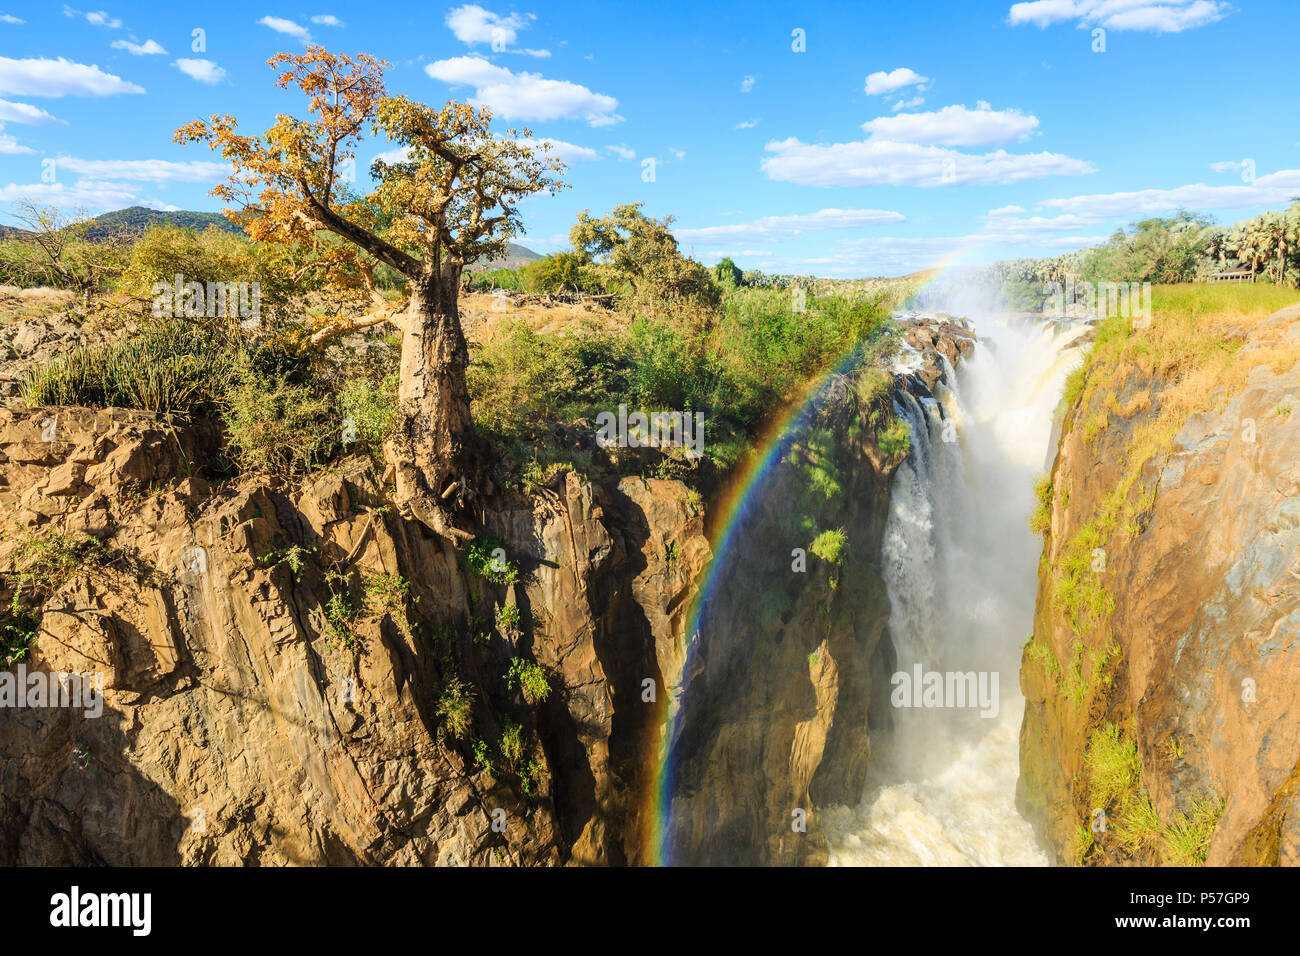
(512, 743)
(830, 546)
(486, 558)
(372, 408)
(1040, 521)
(278, 427)
(530, 677)
(456, 707)
(560, 272)
(520, 378)
(44, 563)
(896, 439)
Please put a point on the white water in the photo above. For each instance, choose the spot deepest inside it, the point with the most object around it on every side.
(961, 567)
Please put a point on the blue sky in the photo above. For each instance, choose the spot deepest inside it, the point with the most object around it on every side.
(901, 136)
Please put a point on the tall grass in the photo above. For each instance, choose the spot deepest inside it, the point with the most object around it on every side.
(1113, 784)
(173, 366)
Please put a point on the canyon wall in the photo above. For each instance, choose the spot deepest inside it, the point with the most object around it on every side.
(1162, 680)
(274, 658)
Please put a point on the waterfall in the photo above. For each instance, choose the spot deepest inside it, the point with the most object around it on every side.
(960, 564)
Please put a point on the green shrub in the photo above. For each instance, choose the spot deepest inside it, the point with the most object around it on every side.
(278, 427)
(486, 558)
(530, 677)
(340, 611)
(44, 563)
(830, 545)
(1040, 520)
(371, 409)
(512, 743)
(456, 707)
(294, 557)
(481, 757)
(896, 439)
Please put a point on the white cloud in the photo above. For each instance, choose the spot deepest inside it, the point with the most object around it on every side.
(10, 146)
(287, 27)
(747, 83)
(205, 71)
(1166, 16)
(882, 82)
(145, 170)
(1225, 167)
(747, 124)
(473, 25)
(86, 193)
(884, 163)
(1010, 224)
(159, 205)
(395, 155)
(678, 153)
(954, 126)
(622, 152)
(147, 48)
(526, 96)
(327, 20)
(568, 152)
(28, 114)
(10, 18)
(1273, 189)
(908, 104)
(61, 77)
(777, 228)
(565, 152)
(98, 17)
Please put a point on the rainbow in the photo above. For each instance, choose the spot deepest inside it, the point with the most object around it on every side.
(729, 514)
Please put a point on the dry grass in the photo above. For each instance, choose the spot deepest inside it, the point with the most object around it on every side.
(483, 325)
(17, 303)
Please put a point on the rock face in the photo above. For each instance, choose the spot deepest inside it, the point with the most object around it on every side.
(271, 691)
(789, 664)
(939, 341)
(1198, 662)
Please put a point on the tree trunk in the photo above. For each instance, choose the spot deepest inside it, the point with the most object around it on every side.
(435, 450)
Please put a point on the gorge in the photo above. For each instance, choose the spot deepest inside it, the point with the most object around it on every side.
(720, 672)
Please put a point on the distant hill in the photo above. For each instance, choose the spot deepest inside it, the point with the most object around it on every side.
(516, 256)
(134, 220)
(131, 223)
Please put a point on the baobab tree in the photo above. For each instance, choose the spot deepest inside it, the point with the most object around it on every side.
(450, 198)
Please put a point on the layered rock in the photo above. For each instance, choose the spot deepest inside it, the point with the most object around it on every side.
(273, 659)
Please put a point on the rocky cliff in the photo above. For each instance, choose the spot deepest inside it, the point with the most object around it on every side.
(1162, 678)
(296, 675)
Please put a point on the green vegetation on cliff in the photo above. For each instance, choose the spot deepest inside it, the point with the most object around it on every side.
(1121, 818)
